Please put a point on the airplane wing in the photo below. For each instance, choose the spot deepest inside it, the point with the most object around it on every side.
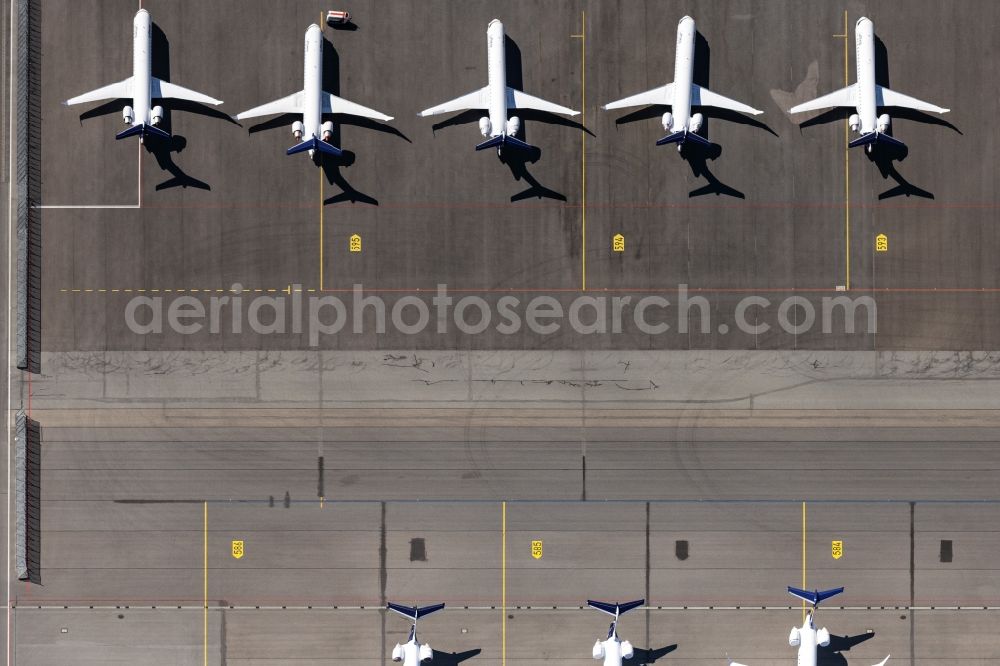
(334, 104)
(661, 95)
(519, 99)
(477, 99)
(842, 97)
(290, 104)
(164, 90)
(111, 91)
(886, 97)
(705, 97)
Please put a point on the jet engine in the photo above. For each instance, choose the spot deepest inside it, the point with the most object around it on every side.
(397, 652)
(854, 122)
(513, 126)
(128, 115)
(297, 130)
(598, 650)
(627, 650)
(794, 638)
(883, 122)
(157, 114)
(696, 121)
(823, 637)
(485, 127)
(667, 120)
(327, 132)
(426, 653)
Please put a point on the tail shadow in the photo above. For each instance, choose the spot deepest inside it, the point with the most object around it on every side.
(641, 656)
(162, 148)
(453, 658)
(831, 654)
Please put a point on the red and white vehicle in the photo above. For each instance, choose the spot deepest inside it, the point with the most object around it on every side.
(337, 17)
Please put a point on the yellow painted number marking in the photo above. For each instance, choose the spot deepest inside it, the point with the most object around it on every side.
(536, 549)
(881, 243)
(618, 243)
(355, 243)
(837, 549)
(238, 549)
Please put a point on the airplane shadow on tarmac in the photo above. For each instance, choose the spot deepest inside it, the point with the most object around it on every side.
(641, 656)
(518, 160)
(831, 654)
(885, 156)
(697, 155)
(162, 149)
(453, 658)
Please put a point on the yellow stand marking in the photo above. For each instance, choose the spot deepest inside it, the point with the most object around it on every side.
(803, 558)
(503, 583)
(583, 146)
(205, 583)
(847, 173)
(321, 229)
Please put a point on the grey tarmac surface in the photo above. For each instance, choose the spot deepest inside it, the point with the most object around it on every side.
(379, 472)
(443, 213)
(385, 491)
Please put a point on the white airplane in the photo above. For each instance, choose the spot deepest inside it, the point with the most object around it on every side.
(312, 102)
(412, 653)
(807, 637)
(613, 649)
(142, 117)
(497, 98)
(866, 96)
(682, 94)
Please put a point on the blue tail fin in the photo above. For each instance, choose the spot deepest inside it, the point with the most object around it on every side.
(615, 609)
(142, 130)
(315, 144)
(816, 596)
(414, 612)
(676, 137)
(503, 141)
(490, 143)
(876, 137)
(682, 137)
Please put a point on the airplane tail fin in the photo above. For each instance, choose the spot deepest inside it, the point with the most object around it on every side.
(876, 137)
(503, 141)
(681, 137)
(315, 144)
(142, 130)
(414, 612)
(815, 596)
(615, 609)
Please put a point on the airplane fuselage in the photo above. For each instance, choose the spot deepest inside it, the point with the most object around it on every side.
(142, 59)
(864, 39)
(496, 64)
(411, 653)
(312, 84)
(807, 643)
(683, 75)
(613, 652)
